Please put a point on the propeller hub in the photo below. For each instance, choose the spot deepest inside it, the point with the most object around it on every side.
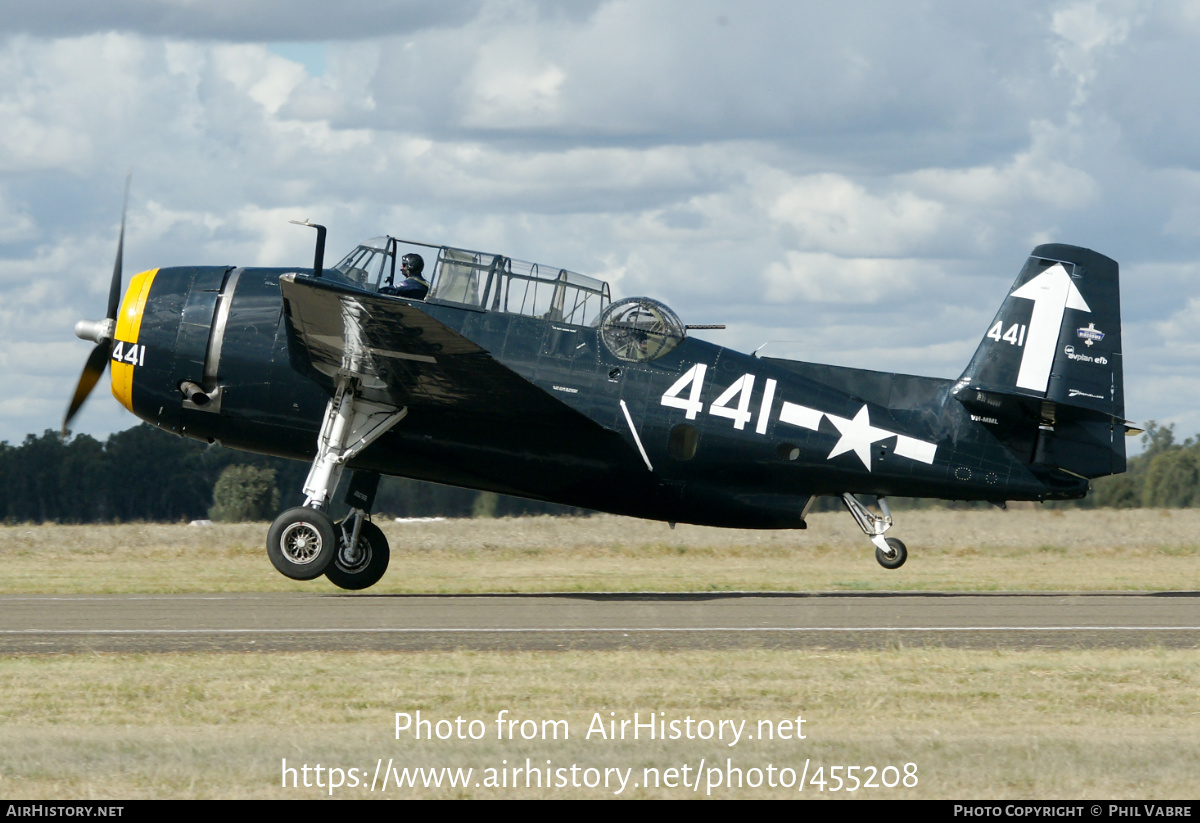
(96, 331)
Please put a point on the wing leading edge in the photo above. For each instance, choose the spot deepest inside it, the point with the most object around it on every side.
(401, 356)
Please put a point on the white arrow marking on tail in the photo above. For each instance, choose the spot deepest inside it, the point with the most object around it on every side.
(1052, 293)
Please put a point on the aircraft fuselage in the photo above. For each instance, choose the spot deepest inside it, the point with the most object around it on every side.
(702, 434)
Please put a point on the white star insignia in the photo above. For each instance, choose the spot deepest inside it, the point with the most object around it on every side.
(857, 436)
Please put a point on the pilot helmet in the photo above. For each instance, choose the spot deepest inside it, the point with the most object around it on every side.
(412, 265)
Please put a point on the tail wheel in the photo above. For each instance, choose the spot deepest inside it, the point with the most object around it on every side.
(369, 564)
(894, 558)
(301, 543)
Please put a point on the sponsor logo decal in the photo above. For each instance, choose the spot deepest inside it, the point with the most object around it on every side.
(1069, 351)
(1078, 393)
(1090, 335)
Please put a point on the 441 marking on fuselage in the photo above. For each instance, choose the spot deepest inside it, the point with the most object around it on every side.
(857, 433)
(134, 355)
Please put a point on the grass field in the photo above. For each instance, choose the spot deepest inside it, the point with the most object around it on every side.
(977, 724)
(1053, 550)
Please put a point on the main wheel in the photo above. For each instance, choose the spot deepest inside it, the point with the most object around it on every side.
(894, 559)
(365, 570)
(301, 543)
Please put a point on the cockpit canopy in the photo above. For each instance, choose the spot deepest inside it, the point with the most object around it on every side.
(487, 281)
(371, 264)
(639, 329)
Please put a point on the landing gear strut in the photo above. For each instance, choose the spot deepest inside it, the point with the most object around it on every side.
(889, 552)
(304, 543)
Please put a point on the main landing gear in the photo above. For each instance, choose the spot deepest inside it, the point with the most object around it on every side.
(363, 566)
(890, 552)
(303, 543)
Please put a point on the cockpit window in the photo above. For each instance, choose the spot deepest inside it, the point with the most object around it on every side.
(462, 276)
(369, 264)
(497, 283)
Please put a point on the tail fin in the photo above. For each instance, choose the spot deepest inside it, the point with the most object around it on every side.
(1052, 357)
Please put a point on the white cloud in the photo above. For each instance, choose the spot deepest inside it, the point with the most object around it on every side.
(781, 166)
(1030, 176)
(15, 224)
(257, 73)
(1180, 332)
(832, 214)
(512, 86)
(1087, 29)
(825, 278)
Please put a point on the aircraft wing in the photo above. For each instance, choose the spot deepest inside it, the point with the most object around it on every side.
(403, 357)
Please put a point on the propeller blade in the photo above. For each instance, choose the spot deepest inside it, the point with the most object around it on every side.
(92, 372)
(114, 291)
(101, 332)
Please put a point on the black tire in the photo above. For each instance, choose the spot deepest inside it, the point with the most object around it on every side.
(898, 556)
(372, 563)
(301, 543)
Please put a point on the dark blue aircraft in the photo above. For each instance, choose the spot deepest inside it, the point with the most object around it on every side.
(521, 379)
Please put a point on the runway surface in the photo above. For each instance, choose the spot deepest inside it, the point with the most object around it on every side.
(329, 622)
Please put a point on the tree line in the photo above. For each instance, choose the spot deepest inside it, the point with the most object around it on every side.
(145, 474)
(1165, 475)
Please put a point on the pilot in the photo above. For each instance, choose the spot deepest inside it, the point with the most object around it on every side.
(414, 286)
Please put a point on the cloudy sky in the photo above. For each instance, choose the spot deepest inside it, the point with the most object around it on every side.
(857, 182)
